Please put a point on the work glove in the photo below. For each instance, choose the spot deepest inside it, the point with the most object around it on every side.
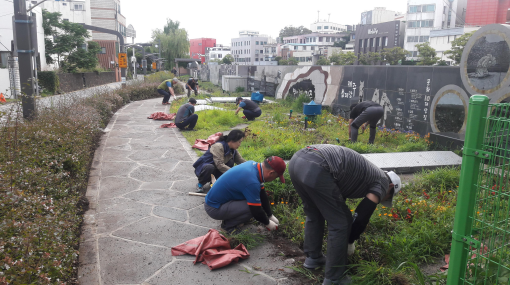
(350, 249)
(274, 219)
(272, 226)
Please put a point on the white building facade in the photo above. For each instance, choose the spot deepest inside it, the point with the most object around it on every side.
(327, 27)
(72, 11)
(441, 40)
(217, 52)
(423, 16)
(378, 15)
(248, 48)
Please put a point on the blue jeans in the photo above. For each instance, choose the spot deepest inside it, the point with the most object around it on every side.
(189, 123)
(166, 95)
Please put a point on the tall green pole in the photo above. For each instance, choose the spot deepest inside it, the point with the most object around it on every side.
(477, 115)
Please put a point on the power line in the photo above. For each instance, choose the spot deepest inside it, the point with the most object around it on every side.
(6, 14)
(4, 46)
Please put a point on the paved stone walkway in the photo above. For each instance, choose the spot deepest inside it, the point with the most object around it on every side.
(140, 208)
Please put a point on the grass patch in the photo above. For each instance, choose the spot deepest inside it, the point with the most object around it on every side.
(248, 239)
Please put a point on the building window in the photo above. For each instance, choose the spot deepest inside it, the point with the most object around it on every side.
(319, 27)
(377, 42)
(361, 43)
(199, 44)
(312, 48)
(257, 43)
(67, 20)
(422, 8)
(103, 50)
(220, 55)
(265, 43)
(320, 39)
(295, 47)
(385, 41)
(261, 51)
(326, 27)
(64, 4)
(373, 42)
(256, 59)
(420, 24)
(78, 7)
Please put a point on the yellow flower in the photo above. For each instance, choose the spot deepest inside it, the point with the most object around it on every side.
(272, 203)
(302, 223)
(297, 218)
(383, 207)
(281, 202)
(379, 215)
(352, 210)
(385, 214)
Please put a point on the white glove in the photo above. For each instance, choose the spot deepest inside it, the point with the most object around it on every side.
(274, 219)
(272, 226)
(350, 249)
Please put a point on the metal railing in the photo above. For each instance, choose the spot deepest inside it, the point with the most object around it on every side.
(480, 252)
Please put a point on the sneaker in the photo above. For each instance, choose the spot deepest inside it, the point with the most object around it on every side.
(235, 230)
(312, 263)
(344, 281)
(200, 188)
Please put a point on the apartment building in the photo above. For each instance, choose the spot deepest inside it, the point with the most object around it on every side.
(423, 16)
(378, 15)
(327, 27)
(248, 48)
(108, 14)
(75, 11)
(441, 40)
(374, 38)
(217, 52)
(198, 47)
(316, 39)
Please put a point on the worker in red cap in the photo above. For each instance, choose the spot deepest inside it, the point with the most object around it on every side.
(239, 195)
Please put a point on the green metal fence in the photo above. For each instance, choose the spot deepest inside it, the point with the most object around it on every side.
(480, 252)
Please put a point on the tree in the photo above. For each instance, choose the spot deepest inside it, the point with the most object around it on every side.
(174, 42)
(426, 54)
(82, 58)
(342, 42)
(393, 55)
(62, 39)
(283, 62)
(323, 61)
(455, 53)
(369, 58)
(228, 59)
(293, 61)
(343, 58)
(290, 31)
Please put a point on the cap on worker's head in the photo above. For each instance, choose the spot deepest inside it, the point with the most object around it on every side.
(175, 79)
(238, 100)
(397, 185)
(278, 165)
(192, 100)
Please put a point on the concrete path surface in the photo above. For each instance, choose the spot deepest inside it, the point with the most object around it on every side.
(139, 208)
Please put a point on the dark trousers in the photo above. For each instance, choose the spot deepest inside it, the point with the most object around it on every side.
(189, 123)
(371, 115)
(250, 115)
(231, 213)
(205, 174)
(166, 95)
(194, 89)
(322, 201)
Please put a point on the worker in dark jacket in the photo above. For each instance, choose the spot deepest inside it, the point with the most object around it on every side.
(186, 119)
(166, 88)
(192, 85)
(325, 176)
(251, 109)
(219, 158)
(362, 114)
(239, 194)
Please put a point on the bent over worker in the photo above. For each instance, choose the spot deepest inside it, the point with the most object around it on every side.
(186, 119)
(166, 88)
(325, 176)
(192, 85)
(362, 114)
(239, 194)
(251, 109)
(219, 158)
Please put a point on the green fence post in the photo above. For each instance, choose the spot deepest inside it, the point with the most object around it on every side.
(477, 115)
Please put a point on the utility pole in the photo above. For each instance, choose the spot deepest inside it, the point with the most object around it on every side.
(24, 47)
(159, 61)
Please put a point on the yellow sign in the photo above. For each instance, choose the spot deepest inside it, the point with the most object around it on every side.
(122, 60)
(153, 65)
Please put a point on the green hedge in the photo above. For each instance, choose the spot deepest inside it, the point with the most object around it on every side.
(44, 166)
(49, 81)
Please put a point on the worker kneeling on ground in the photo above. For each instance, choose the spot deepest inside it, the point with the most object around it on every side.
(192, 85)
(251, 109)
(324, 176)
(166, 88)
(186, 119)
(219, 158)
(362, 114)
(239, 194)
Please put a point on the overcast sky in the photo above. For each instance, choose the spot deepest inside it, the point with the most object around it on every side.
(223, 19)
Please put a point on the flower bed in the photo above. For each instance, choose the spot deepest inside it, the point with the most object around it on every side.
(417, 229)
(44, 166)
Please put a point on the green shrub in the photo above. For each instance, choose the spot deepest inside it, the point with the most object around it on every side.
(159, 77)
(49, 81)
(239, 89)
(297, 104)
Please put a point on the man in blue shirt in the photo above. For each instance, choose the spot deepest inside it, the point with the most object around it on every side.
(165, 89)
(186, 119)
(239, 194)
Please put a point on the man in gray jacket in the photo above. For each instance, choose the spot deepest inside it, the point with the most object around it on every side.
(186, 119)
(325, 176)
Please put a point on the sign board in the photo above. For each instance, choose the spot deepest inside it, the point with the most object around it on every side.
(123, 79)
(153, 65)
(122, 60)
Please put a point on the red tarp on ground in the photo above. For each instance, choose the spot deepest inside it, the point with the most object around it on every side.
(204, 144)
(162, 116)
(212, 249)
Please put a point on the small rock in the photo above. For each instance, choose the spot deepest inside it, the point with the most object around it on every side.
(289, 262)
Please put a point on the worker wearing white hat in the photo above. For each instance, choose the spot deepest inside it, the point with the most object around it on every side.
(325, 176)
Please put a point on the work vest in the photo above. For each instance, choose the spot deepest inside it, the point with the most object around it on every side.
(163, 85)
(207, 158)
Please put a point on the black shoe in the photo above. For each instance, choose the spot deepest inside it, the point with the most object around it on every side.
(230, 231)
